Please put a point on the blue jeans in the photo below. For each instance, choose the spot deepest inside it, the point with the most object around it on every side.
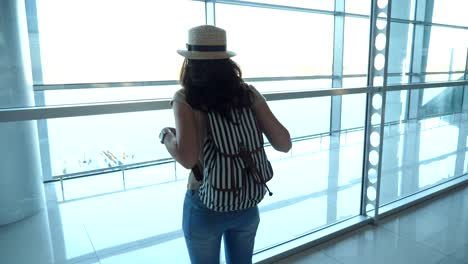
(203, 229)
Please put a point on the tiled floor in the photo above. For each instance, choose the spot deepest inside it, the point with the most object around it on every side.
(434, 232)
(102, 220)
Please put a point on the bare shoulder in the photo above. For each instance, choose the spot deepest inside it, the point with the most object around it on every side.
(179, 97)
(179, 94)
(257, 97)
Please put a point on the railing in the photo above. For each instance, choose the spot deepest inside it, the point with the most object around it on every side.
(62, 111)
(48, 112)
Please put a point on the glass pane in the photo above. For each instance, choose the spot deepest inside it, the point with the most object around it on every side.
(456, 77)
(303, 117)
(398, 79)
(99, 95)
(151, 175)
(353, 109)
(90, 186)
(354, 82)
(87, 41)
(15, 95)
(431, 78)
(278, 43)
(358, 6)
(356, 45)
(399, 56)
(452, 12)
(331, 195)
(411, 162)
(79, 144)
(447, 49)
(442, 77)
(395, 107)
(403, 9)
(291, 85)
(137, 209)
(322, 4)
(442, 100)
(328, 194)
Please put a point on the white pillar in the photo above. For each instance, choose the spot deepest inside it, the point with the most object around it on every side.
(21, 188)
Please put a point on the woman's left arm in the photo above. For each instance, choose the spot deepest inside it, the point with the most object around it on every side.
(182, 143)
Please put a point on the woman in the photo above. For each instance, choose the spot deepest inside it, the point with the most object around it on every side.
(213, 85)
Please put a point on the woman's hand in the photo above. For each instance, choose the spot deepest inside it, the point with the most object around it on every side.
(172, 129)
(166, 132)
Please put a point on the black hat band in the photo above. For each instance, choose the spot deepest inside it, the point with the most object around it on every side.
(206, 48)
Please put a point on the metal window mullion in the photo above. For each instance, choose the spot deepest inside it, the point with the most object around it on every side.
(417, 65)
(466, 66)
(382, 121)
(427, 13)
(34, 40)
(37, 76)
(210, 12)
(372, 128)
(337, 81)
(451, 65)
(465, 88)
(411, 64)
(367, 118)
(335, 112)
(460, 156)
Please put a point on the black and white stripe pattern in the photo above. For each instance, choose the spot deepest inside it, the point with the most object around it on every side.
(227, 184)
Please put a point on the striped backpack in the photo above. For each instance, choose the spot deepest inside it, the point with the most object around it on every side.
(235, 166)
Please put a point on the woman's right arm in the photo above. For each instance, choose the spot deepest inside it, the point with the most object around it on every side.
(276, 133)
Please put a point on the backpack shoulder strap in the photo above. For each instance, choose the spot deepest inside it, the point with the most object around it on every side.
(228, 135)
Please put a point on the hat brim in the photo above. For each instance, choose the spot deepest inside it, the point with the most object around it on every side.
(206, 55)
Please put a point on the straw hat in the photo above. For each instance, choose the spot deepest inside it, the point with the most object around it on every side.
(206, 43)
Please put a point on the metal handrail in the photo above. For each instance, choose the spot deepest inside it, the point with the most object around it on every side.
(101, 85)
(60, 111)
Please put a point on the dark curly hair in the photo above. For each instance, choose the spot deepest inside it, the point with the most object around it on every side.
(214, 85)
